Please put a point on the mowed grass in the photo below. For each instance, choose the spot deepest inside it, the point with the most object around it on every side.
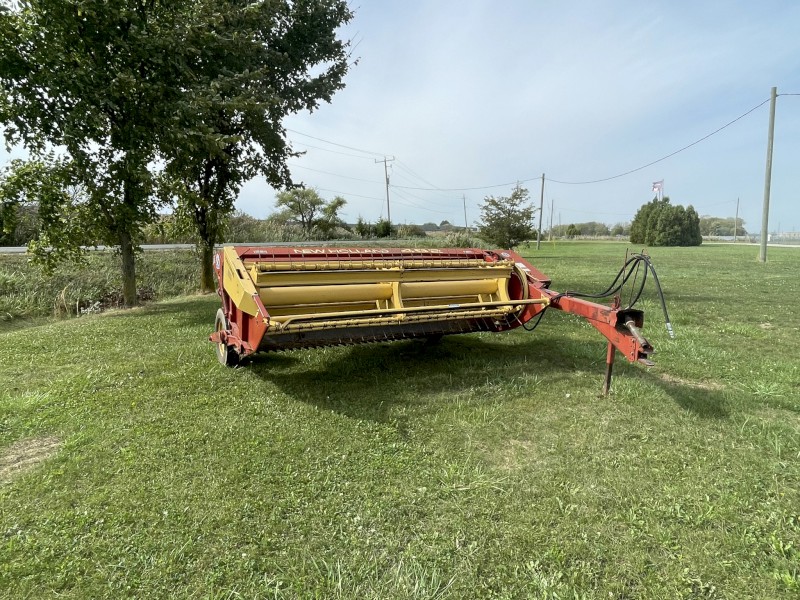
(485, 467)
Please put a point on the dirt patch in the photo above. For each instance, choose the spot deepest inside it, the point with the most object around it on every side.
(24, 455)
(700, 385)
(517, 454)
(113, 300)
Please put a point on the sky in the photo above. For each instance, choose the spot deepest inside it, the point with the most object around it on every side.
(470, 97)
(477, 94)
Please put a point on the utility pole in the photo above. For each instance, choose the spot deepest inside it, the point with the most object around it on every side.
(386, 160)
(541, 206)
(762, 256)
(736, 221)
(550, 234)
(466, 226)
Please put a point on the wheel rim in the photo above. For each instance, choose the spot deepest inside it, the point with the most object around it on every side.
(221, 346)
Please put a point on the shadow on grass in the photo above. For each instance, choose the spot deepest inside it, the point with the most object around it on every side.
(190, 310)
(705, 403)
(365, 382)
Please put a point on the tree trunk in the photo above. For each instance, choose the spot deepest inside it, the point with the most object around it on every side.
(206, 268)
(128, 269)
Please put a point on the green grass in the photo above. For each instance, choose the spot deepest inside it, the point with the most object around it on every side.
(485, 467)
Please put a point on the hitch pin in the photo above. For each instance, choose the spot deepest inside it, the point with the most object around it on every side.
(637, 334)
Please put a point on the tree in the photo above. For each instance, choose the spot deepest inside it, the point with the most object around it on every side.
(329, 219)
(620, 229)
(362, 228)
(98, 78)
(506, 221)
(247, 65)
(721, 226)
(593, 228)
(63, 227)
(307, 207)
(243, 228)
(658, 223)
(384, 228)
(573, 230)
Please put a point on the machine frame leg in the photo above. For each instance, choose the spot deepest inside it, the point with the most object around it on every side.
(610, 353)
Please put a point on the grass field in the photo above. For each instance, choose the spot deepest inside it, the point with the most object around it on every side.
(486, 467)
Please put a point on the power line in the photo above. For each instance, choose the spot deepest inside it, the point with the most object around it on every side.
(334, 174)
(434, 188)
(394, 187)
(469, 189)
(671, 154)
(334, 143)
(417, 176)
(412, 204)
(350, 194)
(334, 151)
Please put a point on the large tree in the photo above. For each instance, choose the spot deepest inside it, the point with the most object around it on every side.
(310, 210)
(507, 220)
(97, 78)
(249, 64)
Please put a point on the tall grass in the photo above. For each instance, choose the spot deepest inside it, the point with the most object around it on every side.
(26, 292)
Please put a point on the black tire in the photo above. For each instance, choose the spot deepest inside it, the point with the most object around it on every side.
(227, 355)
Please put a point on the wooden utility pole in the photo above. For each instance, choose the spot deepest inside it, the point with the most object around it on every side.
(736, 221)
(550, 232)
(541, 206)
(386, 160)
(762, 256)
(466, 226)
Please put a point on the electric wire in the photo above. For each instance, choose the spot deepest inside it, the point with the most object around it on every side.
(335, 143)
(663, 158)
(334, 174)
(351, 194)
(591, 181)
(411, 203)
(334, 151)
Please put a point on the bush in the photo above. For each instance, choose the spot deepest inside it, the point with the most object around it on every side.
(462, 239)
(384, 229)
(658, 223)
(410, 231)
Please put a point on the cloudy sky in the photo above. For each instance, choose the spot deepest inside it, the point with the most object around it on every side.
(479, 94)
(469, 97)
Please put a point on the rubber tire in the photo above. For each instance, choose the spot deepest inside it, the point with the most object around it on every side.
(227, 355)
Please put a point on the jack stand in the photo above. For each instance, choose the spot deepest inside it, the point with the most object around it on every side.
(609, 366)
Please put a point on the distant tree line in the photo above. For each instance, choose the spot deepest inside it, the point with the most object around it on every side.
(590, 229)
(719, 226)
